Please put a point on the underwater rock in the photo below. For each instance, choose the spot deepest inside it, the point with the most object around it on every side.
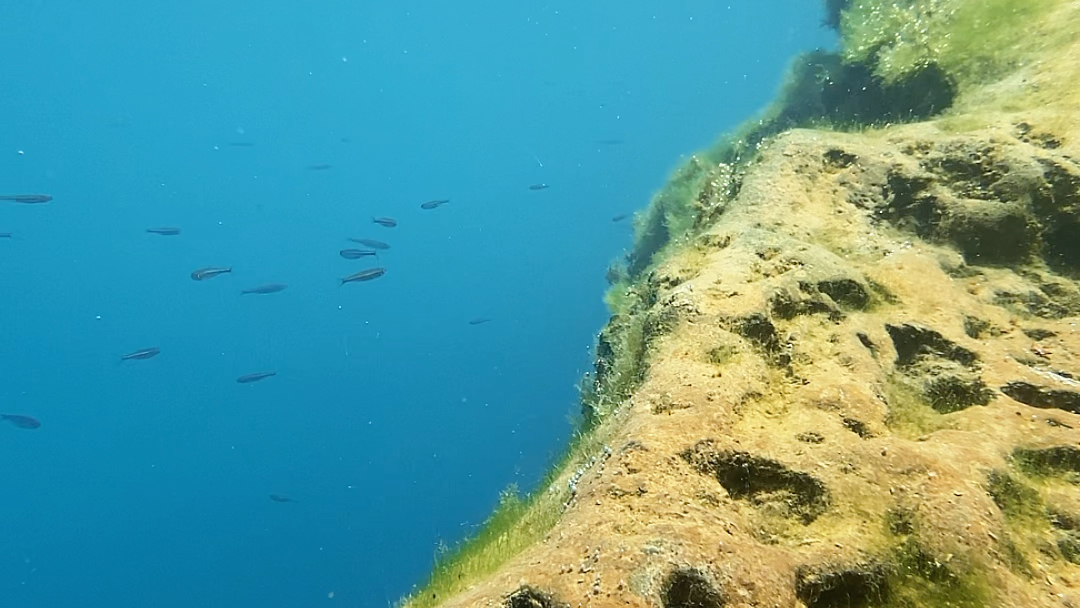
(876, 324)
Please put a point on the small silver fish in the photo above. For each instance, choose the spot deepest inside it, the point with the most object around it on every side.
(5, 235)
(23, 422)
(164, 230)
(249, 378)
(539, 187)
(356, 254)
(371, 243)
(265, 289)
(387, 222)
(209, 272)
(145, 353)
(28, 199)
(435, 203)
(280, 498)
(364, 275)
(479, 321)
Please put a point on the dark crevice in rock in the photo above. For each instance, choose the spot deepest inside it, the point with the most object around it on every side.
(913, 343)
(531, 597)
(1038, 303)
(1037, 333)
(847, 293)
(760, 331)
(861, 586)
(1011, 496)
(909, 205)
(1029, 135)
(1057, 204)
(1067, 531)
(858, 427)
(689, 588)
(1056, 460)
(867, 342)
(785, 305)
(760, 480)
(1043, 397)
(949, 393)
(838, 159)
(976, 328)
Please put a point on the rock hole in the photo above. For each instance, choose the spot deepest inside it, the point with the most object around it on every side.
(848, 293)
(858, 427)
(913, 343)
(811, 437)
(763, 482)
(1061, 460)
(839, 159)
(531, 597)
(952, 393)
(1043, 397)
(688, 588)
(1037, 333)
(859, 587)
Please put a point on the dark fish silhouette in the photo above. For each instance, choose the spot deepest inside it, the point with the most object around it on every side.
(5, 235)
(435, 203)
(265, 289)
(371, 243)
(209, 272)
(28, 199)
(23, 422)
(388, 222)
(319, 167)
(479, 321)
(356, 254)
(364, 275)
(145, 353)
(249, 378)
(164, 230)
(620, 217)
(539, 187)
(280, 498)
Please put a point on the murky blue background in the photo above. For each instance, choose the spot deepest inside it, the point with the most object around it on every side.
(392, 422)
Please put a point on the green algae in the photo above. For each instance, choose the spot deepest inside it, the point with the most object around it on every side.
(919, 579)
(517, 522)
(974, 41)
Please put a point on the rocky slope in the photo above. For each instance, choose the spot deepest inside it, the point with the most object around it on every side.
(851, 377)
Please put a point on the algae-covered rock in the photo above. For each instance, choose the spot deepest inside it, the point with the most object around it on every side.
(843, 364)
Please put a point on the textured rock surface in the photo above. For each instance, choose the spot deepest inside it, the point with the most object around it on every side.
(861, 385)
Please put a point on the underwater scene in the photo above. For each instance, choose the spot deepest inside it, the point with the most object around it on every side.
(650, 305)
(293, 292)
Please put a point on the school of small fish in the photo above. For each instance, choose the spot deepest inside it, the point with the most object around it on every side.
(372, 249)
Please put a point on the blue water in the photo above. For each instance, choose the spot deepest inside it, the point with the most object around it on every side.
(392, 422)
